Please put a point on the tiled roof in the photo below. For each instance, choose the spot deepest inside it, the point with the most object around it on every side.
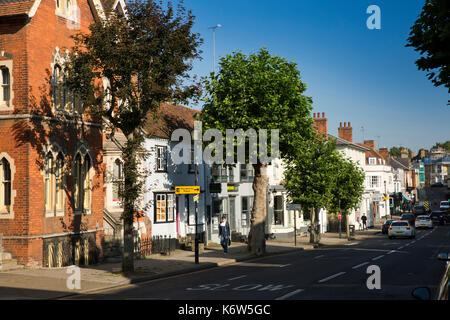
(168, 118)
(15, 7)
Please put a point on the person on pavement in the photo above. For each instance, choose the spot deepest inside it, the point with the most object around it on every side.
(364, 220)
(224, 234)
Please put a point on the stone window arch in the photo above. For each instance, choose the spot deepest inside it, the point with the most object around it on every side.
(7, 193)
(54, 180)
(83, 173)
(6, 81)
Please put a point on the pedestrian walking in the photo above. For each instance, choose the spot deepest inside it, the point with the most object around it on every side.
(224, 234)
(364, 220)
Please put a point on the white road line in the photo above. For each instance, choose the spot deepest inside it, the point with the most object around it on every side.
(318, 257)
(332, 277)
(413, 241)
(377, 258)
(360, 265)
(285, 265)
(400, 248)
(351, 244)
(290, 294)
(240, 277)
(392, 251)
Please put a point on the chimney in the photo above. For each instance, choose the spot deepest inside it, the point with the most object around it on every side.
(345, 132)
(384, 153)
(404, 153)
(370, 143)
(321, 123)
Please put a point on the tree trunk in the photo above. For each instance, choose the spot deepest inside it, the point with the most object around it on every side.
(130, 197)
(257, 235)
(348, 225)
(312, 234)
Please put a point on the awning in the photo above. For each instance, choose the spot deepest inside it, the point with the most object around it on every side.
(406, 197)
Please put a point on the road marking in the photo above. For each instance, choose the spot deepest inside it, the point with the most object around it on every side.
(318, 257)
(400, 248)
(240, 277)
(377, 258)
(290, 294)
(285, 265)
(413, 241)
(392, 251)
(332, 277)
(360, 265)
(351, 244)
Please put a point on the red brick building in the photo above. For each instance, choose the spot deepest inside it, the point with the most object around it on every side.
(51, 188)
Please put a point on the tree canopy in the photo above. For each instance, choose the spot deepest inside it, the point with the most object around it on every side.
(430, 36)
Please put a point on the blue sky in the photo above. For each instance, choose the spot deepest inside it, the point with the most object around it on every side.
(366, 77)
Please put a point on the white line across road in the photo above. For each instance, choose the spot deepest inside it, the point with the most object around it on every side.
(331, 277)
(377, 258)
(318, 257)
(290, 294)
(360, 265)
(285, 265)
(240, 277)
(392, 251)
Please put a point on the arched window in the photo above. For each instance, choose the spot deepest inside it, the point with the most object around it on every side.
(59, 179)
(87, 184)
(117, 181)
(6, 86)
(57, 86)
(82, 184)
(49, 178)
(6, 184)
(78, 183)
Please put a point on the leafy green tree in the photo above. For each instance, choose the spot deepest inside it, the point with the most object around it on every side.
(348, 188)
(396, 152)
(143, 57)
(259, 91)
(311, 175)
(445, 145)
(430, 36)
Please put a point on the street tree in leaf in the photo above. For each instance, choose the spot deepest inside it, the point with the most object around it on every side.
(348, 188)
(258, 91)
(430, 36)
(123, 69)
(310, 177)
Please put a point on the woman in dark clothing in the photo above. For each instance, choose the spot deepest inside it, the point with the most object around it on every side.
(224, 234)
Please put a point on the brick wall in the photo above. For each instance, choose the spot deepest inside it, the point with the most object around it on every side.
(32, 44)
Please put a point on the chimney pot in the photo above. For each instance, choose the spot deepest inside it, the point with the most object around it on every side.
(349, 124)
(323, 114)
(340, 125)
(314, 115)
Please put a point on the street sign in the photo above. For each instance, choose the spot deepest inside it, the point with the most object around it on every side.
(187, 190)
(385, 198)
(196, 198)
(293, 206)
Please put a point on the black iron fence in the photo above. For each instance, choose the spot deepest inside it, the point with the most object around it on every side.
(145, 246)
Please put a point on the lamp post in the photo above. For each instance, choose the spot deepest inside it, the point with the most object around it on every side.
(214, 45)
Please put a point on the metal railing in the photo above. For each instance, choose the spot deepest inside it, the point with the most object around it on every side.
(145, 246)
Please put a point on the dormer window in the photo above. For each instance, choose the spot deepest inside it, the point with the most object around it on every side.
(372, 161)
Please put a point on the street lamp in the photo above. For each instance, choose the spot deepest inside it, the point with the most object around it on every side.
(214, 44)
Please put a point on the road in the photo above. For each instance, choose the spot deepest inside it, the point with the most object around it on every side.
(329, 273)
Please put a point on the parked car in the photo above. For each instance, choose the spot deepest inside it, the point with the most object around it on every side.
(437, 185)
(386, 225)
(439, 217)
(424, 293)
(424, 221)
(411, 218)
(419, 209)
(401, 228)
(444, 206)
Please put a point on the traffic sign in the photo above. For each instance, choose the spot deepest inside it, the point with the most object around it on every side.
(187, 190)
(196, 198)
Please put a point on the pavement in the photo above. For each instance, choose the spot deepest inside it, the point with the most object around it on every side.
(45, 283)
